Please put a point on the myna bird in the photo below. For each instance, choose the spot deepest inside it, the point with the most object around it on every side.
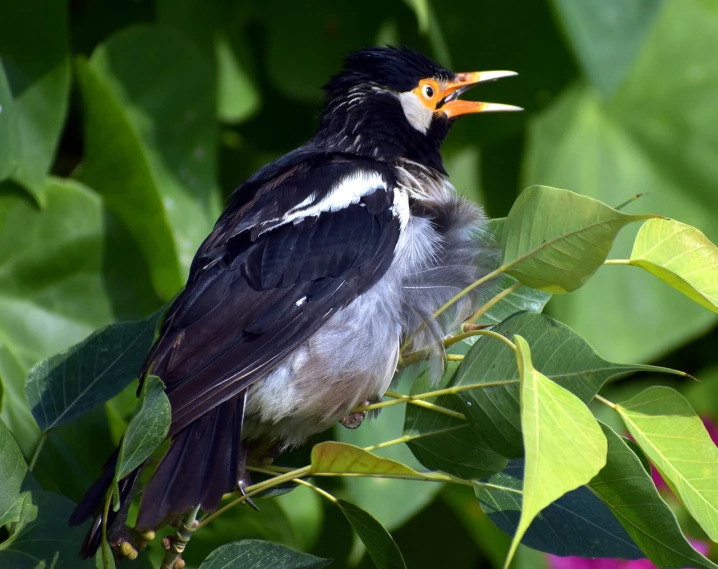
(323, 263)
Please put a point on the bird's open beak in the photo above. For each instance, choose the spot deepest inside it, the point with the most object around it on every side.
(452, 107)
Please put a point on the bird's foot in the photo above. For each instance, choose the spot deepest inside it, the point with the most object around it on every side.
(354, 420)
(244, 482)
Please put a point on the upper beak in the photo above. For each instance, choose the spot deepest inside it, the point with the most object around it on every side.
(451, 106)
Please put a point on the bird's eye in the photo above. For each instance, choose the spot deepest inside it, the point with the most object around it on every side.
(428, 91)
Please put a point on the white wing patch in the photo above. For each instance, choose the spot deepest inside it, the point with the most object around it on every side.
(348, 190)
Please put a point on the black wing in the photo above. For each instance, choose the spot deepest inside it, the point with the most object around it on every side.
(284, 257)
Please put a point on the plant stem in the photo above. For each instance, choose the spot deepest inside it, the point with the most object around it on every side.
(491, 334)
(418, 403)
(318, 490)
(454, 358)
(38, 449)
(630, 200)
(180, 539)
(617, 262)
(493, 302)
(605, 401)
(105, 544)
(409, 438)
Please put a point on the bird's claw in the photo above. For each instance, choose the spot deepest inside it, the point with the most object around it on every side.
(247, 500)
(354, 420)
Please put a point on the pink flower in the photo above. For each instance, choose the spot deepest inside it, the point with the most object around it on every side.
(555, 562)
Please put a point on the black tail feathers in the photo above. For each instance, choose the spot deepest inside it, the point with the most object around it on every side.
(204, 461)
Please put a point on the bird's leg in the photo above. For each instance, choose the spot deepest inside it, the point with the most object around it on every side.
(354, 420)
(244, 479)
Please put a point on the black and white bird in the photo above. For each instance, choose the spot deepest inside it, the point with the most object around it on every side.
(323, 264)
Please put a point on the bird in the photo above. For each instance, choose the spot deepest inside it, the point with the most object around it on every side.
(323, 264)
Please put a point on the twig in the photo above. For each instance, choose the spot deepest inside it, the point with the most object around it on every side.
(617, 262)
(605, 401)
(179, 541)
(38, 449)
(494, 301)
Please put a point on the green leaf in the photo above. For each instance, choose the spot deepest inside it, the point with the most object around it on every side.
(634, 143)
(564, 445)
(554, 240)
(577, 524)
(378, 542)
(42, 538)
(147, 429)
(675, 440)
(625, 486)
(344, 458)
(260, 555)
(52, 292)
(442, 442)
(607, 35)
(68, 384)
(16, 478)
(157, 172)
(576, 367)
(681, 256)
(391, 502)
(9, 133)
(39, 76)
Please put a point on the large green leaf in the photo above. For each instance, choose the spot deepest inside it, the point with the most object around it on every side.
(147, 429)
(333, 457)
(9, 133)
(42, 538)
(39, 75)
(260, 555)
(67, 384)
(378, 542)
(563, 443)
(450, 444)
(16, 478)
(146, 85)
(392, 502)
(657, 137)
(681, 256)
(52, 292)
(575, 366)
(607, 35)
(675, 440)
(577, 524)
(555, 240)
(625, 486)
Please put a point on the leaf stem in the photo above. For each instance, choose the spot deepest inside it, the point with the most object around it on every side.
(409, 438)
(418, 403)
(617, 262)
(105, 544)
(630, 200)
(38, 449)
(454, 358)
(494, 301)
(605, 401)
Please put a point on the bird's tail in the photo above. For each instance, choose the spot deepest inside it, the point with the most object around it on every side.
(93, 501)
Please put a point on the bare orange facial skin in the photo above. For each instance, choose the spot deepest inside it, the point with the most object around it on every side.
(428, 92)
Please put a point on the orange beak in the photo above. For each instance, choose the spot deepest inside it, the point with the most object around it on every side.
(452, 107)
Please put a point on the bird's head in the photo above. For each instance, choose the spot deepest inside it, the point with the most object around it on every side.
(392, 103)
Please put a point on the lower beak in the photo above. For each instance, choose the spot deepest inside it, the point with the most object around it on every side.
(452, 107)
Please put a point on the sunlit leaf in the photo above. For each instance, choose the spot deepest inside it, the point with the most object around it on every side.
(681, 256)
(260, 555)
(554, 240)
(344, 458)
(576, 367)
(625, 486)
(147, 429)
(39, 76)
(66, 385)
(675, 440)
(52, 292)
(577, 524)
(378, 542)
(147, 85)
(563, 442)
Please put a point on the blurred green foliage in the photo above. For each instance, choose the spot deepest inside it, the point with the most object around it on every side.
(123, 124)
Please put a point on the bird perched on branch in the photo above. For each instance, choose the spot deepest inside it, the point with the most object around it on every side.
(324, 262)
